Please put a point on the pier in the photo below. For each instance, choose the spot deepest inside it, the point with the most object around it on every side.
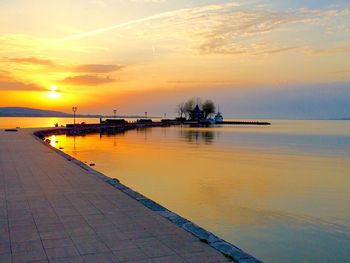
(81, 129)
(54, 209)
(114, 127)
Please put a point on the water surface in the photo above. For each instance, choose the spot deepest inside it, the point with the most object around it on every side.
(279, 192)
(39, 122)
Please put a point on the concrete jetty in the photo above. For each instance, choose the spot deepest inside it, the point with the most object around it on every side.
(53, 210)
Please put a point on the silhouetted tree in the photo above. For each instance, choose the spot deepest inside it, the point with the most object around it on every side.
(208, 108)
(180, 109)
(188, 106)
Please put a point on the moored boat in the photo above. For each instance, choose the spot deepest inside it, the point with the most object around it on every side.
(218, 117)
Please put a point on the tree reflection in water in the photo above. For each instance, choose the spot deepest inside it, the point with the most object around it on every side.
(197, 135)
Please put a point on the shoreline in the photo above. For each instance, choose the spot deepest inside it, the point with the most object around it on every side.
(227, 249)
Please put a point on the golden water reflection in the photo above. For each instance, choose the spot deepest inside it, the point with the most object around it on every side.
(38, 122)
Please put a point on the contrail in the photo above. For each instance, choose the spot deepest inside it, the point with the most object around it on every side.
(106, 29)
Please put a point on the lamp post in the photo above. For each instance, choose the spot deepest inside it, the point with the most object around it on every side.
(115, 114)
(74, 110)
(164, 115)
(146, 114)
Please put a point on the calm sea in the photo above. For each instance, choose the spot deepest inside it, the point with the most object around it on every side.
(36, 122)
(279, 192)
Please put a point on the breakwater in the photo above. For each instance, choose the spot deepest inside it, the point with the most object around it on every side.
(244, 122)
(81, 129)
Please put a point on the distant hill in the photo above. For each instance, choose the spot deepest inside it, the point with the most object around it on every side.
(29, 112)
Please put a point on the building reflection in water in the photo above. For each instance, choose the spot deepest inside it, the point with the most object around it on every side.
(113, 134)
(145, 132)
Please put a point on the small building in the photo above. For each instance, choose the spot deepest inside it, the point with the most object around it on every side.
(197, 114)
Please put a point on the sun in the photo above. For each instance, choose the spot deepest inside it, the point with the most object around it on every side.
(53, 88)
(54, 93)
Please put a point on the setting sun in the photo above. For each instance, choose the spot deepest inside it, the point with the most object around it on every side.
(54, 93)
(53, 88)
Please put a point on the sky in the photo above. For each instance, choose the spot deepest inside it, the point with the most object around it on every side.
(256, 59)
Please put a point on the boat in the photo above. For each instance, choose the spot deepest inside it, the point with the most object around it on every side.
(218, 117)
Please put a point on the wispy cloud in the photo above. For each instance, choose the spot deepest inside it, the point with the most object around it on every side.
(9, 83)
(87, 80)
(114, 27)
(344, 71)
(98, 68)
(226, 28)
(86, 68)
(337, 49)
(197, 82)
(30, 60)
(19, 86)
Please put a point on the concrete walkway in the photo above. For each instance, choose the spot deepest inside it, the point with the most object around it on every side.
(52, 210)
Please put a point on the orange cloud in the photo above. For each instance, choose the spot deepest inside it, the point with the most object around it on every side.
(87, 80)
(14, 85)
(98, 68)
(30, 60)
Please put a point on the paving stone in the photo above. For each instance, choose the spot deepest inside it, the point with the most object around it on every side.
(121, 245)
(6, 258)
(34, 245)
(111, 236)
(61, 252)
(76, 259)
(50, 228)
(83, 231)
(101, 258)
(153, 247)
(90, 247)
(132, 254)
(54, 234)
(167, 259)
(5, 248)
(23, 236)
(28, 256)
(59, 242)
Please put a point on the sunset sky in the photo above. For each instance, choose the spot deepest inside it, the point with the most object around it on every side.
(287, 59)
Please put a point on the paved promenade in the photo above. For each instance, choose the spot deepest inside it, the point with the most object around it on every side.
(52, 210)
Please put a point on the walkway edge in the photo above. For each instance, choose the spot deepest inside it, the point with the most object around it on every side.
(226, 248)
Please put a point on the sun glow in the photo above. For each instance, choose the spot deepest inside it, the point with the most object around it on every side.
(54, 93)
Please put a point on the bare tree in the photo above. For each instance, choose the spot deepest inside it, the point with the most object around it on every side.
(208, 108)
(189, 106)
(180, 109)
